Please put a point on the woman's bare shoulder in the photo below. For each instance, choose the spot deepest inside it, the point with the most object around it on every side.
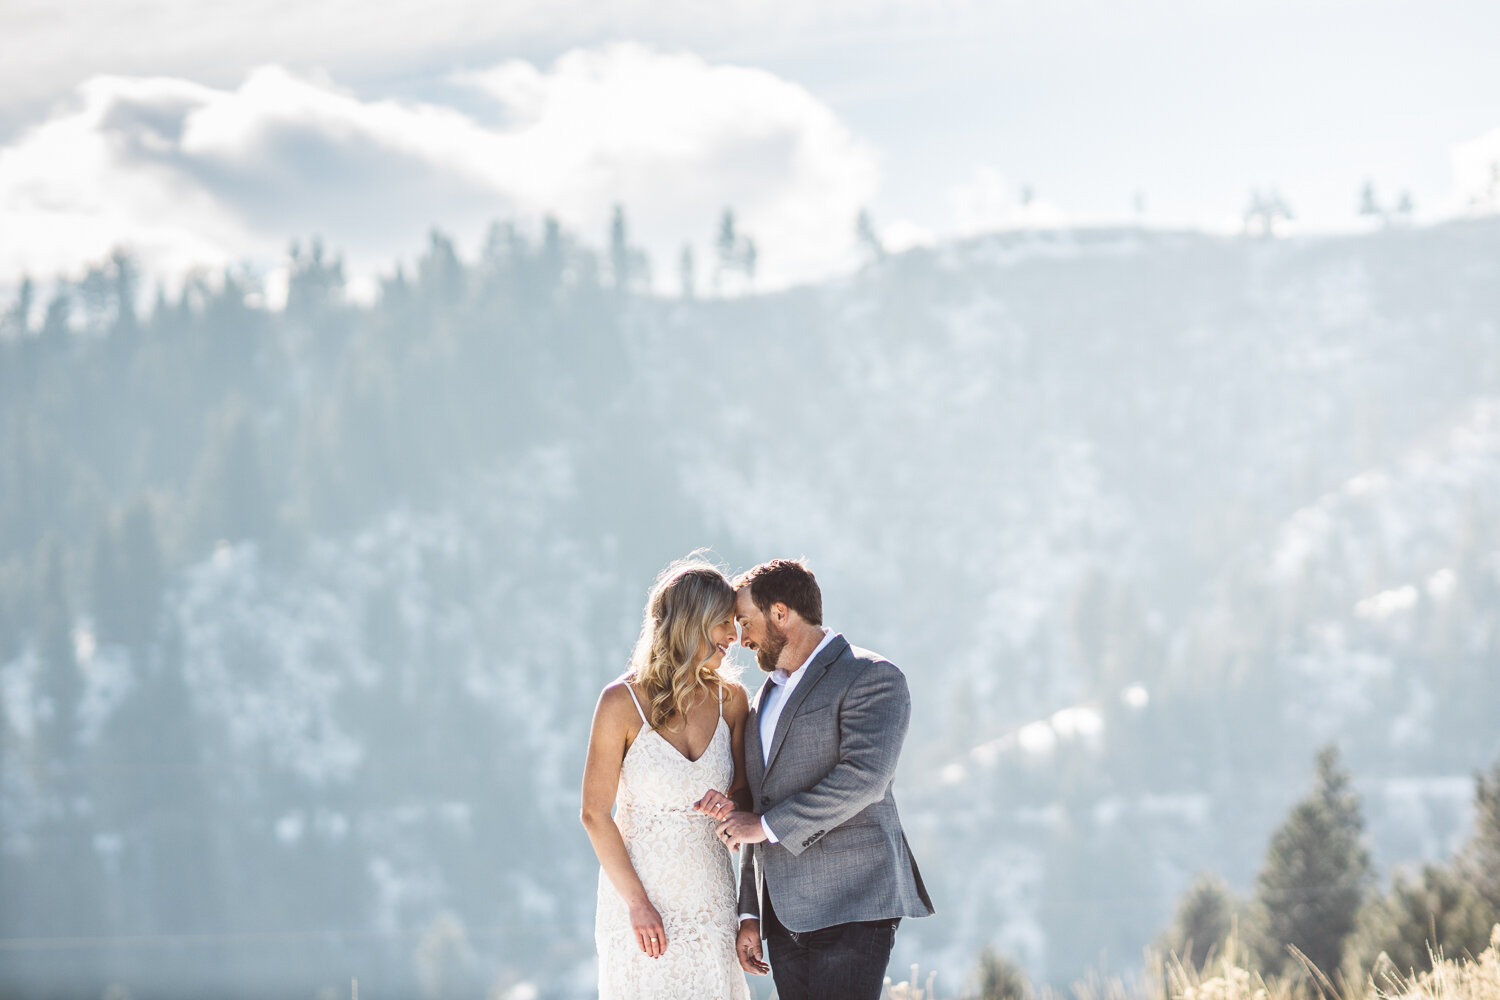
(617, 701)
(736, 700)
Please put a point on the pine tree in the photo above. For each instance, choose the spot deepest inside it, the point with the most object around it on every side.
(619, 251)
(1440, 910)
(1315, 874)
(247, 507)
(727, 246)
(440, 273)
(142, 576)
(63, 886)
(866, 236)
(315, 283)
(61, 680)
(1264, 212)
(17, 319)
(95, 293)
(554, 259)
(1000, 978)
(126, 282)
(233, 500)
(1481, 859)
(105, 589)
(1203, 922)
(57, 323)
(127, 579)
(179, 815)
(686, 272)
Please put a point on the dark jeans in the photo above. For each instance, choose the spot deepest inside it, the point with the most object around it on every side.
(842, 962)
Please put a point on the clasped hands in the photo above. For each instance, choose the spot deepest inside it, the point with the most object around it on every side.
(736, 826)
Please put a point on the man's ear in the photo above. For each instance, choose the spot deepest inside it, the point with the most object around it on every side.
(780, 614)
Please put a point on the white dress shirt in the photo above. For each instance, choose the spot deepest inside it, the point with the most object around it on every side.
(786, 683)
(771, 704)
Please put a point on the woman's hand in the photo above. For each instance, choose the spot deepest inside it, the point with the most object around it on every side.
(649, 932)
(715, 804)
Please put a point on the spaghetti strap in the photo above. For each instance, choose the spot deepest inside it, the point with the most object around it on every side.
(721, 701)
(633, 698)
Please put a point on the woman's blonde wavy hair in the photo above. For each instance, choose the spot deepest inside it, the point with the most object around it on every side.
(670, 661)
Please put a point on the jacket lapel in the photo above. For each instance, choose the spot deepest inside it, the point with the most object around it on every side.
(815, 671)
(755, 768)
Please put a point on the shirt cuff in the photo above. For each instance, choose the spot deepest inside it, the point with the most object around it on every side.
(770, 837)
(748, 916)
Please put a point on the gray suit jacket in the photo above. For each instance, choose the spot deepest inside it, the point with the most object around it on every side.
(826, 794)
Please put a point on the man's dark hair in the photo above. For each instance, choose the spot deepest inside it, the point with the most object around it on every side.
(785, 581)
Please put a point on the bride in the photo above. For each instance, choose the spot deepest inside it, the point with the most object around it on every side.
(672, 726)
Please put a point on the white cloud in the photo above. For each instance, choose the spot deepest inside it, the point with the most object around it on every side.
(73, 188)
(186, 174)
(47, 47)
(904, 234)
(1476, 173)
(676, 139)
(1387, 603)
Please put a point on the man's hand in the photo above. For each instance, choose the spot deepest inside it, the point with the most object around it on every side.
(715, 804)
(741, 828)
(747, 948)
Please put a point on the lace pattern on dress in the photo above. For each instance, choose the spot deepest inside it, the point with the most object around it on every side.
(687, 872)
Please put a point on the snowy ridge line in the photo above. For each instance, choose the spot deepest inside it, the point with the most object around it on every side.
(1083, 720)
(1459, 456)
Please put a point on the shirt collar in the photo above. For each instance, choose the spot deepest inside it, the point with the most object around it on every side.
(780, 676)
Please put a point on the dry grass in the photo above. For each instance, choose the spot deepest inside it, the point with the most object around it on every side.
(909, 990)
(1226, 977)
(1476, 978)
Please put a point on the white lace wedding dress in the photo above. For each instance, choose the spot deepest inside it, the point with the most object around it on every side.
(687, 872)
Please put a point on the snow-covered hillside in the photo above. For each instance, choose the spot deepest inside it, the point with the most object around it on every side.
(1145, 517)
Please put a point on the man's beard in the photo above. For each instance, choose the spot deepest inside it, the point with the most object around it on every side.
(768, 652)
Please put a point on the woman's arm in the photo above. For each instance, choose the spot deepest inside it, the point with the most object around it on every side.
(737, 711)
(715, 804)
(609, 738)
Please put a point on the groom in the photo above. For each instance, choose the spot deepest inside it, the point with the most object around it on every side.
(827, 875)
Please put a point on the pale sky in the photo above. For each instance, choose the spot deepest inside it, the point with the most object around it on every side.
(210, 134)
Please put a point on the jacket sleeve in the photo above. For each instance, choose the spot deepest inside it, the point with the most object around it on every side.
(749, 898)
(872, 726)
